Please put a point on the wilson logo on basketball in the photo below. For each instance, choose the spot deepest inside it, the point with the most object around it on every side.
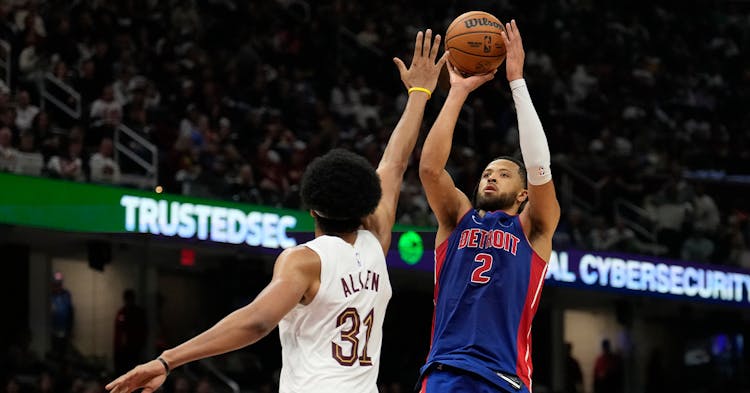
(481, 22)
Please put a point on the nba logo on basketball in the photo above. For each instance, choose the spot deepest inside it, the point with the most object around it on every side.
(487, 44)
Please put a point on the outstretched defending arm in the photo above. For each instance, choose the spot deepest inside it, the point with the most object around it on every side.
(420, 80)
(295, 270)
(446, 201)
(542, 213)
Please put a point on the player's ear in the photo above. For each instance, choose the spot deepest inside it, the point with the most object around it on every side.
(522, 196)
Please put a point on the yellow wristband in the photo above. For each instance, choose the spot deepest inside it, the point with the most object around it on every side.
(422, 89)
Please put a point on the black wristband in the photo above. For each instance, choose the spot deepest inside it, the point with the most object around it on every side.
(164, 363)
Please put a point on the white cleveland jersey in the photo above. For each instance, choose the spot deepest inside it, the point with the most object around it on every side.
(333, 344)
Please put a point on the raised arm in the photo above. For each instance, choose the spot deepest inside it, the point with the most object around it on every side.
(542, 212)
(295, 271)
(447, 202)
(422, 75)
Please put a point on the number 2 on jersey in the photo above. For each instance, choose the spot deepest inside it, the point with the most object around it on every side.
(350, 335)
(477, 276)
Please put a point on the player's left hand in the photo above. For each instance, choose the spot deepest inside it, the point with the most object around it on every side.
(466, 84)
(149, 376)
(423, 71)
(515, 55)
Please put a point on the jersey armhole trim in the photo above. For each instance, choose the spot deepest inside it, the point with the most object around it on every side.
(320, 278)
(463, 217)
(533, 251)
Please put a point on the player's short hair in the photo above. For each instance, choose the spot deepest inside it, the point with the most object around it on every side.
(521, 172)
(341, 188)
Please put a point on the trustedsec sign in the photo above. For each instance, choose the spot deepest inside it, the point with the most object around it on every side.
(207, 222)
(648, 276)
(86, 208)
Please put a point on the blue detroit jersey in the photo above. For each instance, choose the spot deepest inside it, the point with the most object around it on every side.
(488, 282)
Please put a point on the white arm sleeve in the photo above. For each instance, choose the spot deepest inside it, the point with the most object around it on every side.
(531, 136)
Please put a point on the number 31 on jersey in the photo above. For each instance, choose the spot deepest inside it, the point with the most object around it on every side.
(348, 356)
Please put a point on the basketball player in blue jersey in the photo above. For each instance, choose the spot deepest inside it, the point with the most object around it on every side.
(492, 251)
(329, 295)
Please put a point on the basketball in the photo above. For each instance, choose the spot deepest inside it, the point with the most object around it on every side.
(475, 43)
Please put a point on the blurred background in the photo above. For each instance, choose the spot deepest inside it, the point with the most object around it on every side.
(115, 115)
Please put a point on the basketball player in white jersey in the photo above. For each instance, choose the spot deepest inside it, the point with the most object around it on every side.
(327, 296)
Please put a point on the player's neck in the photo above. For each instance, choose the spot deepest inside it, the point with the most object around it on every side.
(511, 212)
(349, 237)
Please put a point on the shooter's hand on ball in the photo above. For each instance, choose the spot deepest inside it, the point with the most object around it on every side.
(515, 55)
(465, 85)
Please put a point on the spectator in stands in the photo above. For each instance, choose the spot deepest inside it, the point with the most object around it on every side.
(131, 332)
(705, 215)
(297, 162)
(62, 43)
(49, 138)
(620, 238)
(106, 111)
(103, 58)
(190, 125)
(212, 180)
(669, 214)
(62, 72)
(152, 96)
(103, 167)
(244, 189)
(28, 19)
(597, 235)
(343, 98)
(69, 163)
(183, 161)
(87, 84)
(736, 241)
(29, 160)
(413, 202)
(185, 18)
(274, 183)
(4, 94)
(8, 119)
(226, 136)
(367, 112)
(573, 230)
(121, 87)
(25, 111)
(31, 60)
(136, 115)
(697, 246)
(8, 154)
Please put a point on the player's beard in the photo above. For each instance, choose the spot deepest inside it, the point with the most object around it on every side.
(501, 201)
